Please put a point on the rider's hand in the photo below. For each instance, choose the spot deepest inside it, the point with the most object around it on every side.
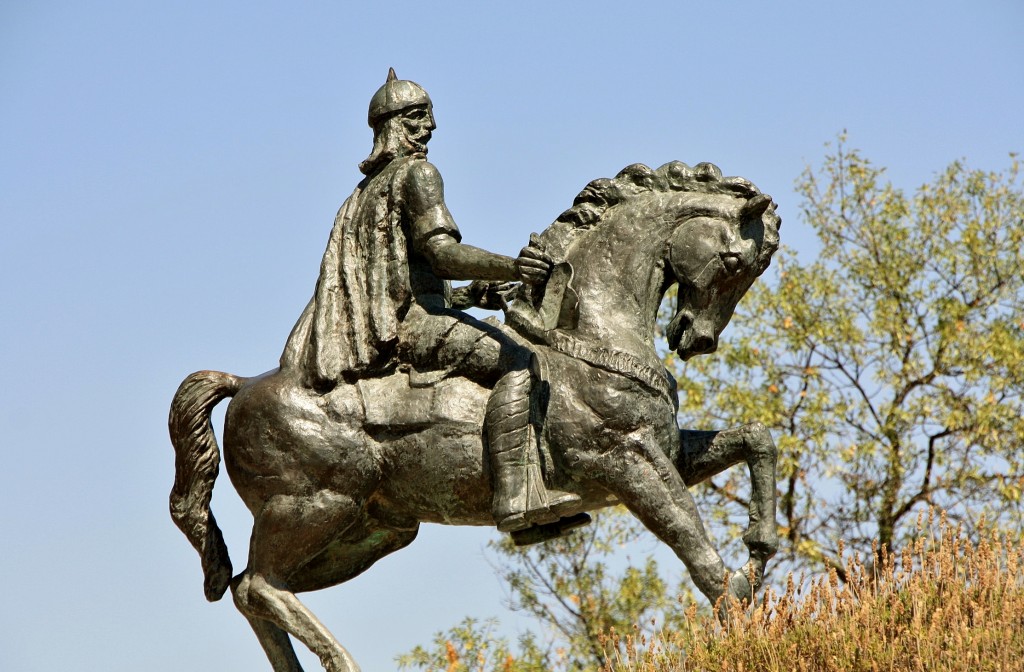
(492, 295)
(533, 265)
(498, 296)
(484, 294)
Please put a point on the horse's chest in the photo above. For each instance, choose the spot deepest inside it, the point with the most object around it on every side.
(601, 408)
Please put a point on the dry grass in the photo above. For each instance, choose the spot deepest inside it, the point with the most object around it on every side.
(942, 604)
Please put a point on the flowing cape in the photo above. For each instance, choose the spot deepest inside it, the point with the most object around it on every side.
(351, 323)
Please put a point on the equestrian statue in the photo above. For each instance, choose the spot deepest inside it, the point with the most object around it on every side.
(393, 407)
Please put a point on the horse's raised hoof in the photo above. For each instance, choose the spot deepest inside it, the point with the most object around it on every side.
(539, 533)
(739, 590)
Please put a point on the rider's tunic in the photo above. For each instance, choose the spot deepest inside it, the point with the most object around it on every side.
(379, 303)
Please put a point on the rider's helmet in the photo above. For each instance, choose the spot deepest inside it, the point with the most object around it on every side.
(394, 96)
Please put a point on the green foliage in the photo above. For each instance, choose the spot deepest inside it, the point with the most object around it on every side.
(891, 368)
(573, 586)
(472, 646)
(579, 589)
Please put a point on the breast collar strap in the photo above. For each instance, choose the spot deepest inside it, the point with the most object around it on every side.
(613, 361)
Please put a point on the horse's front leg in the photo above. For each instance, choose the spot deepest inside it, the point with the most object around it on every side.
(641, 476)
(703, 454)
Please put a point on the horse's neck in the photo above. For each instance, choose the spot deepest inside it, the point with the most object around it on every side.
(620, 278)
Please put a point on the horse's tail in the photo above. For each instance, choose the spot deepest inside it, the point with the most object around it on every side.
(196, 463)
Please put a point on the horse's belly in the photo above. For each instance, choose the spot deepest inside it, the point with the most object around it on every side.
(430, 442)
(437, 475)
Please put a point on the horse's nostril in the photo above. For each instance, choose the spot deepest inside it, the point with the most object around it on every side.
(704, 345)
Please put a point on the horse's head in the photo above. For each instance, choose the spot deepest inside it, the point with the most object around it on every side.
(727, 233)
(631, 236)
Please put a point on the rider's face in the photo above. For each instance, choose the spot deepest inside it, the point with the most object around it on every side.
(418, 123)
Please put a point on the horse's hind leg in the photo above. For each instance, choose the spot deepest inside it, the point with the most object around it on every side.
(274, 641)
(346, 560)
(704, 454)
(288, 533)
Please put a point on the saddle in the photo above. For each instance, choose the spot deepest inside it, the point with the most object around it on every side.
(400, 402)
(421, 398)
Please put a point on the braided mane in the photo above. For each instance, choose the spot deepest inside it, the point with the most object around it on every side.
(632, 181)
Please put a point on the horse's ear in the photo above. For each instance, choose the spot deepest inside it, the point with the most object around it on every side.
(756, 206)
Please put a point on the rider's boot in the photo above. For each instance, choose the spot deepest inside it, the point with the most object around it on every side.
(520, 497)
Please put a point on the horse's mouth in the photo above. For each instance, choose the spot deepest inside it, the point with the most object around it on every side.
(698, 345)
(687, 341)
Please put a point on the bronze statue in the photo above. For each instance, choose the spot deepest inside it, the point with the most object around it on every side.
(392, 407)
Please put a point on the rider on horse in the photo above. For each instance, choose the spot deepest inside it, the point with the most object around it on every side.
(383, 300)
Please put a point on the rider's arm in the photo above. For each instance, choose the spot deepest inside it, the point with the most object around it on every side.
(436, 237)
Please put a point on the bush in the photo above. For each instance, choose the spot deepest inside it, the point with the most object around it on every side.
(943, 604)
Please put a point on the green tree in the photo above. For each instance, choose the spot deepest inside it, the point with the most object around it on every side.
(891, 370)
(472, 646)
(580, 588)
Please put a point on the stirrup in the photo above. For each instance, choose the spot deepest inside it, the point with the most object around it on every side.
(558, 503)
(539, 533)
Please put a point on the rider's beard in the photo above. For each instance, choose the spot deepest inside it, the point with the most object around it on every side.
(416, 136)
(396, 137)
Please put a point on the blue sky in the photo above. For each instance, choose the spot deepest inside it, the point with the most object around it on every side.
(169, 174)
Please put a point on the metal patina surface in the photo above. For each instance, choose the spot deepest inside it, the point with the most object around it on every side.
(392, 407)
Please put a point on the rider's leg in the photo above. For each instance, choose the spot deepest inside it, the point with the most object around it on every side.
(455, 342)
(520, 496)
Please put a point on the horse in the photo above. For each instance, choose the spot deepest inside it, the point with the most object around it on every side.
(337, 479)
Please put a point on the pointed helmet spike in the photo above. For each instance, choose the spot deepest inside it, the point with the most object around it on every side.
(391, 75)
